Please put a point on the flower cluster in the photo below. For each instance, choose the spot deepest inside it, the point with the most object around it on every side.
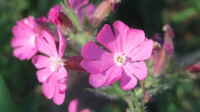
(118, 54)
(33, 41)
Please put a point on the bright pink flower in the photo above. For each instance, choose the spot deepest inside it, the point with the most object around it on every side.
(73, 106)
(23, 42)
(82, 8)
(51, 71)
(123, 60)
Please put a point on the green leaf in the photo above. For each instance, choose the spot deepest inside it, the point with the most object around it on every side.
(6, 103)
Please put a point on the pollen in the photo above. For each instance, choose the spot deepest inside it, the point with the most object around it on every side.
(119, 59)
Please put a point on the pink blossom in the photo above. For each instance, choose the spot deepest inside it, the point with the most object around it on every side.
(50, 64)
(73, 106)
(23, 42)
(82, 8)
(123, 60)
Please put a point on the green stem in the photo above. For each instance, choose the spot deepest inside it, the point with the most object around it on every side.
(130, 104)
(135, 102)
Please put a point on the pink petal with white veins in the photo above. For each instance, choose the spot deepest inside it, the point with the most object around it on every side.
(138, 69)
(142, 52)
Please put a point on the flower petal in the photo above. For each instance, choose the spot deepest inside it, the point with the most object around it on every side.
(24, 53)
(41, 61)
(128, 81)
(138, 69)
(107, 39)
(59, 97)
(142, 52)
(61, 73)
(134, 38)
(120, 30)
(62, 43)
(46, 44)
(43, 75)
(49, 87)
(91, 51)
(96, 66)
(97, 80)
(73, 106)
(113, 74)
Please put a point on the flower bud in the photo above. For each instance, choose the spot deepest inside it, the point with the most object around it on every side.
(194, 68)
(168, 39)
(102, 11)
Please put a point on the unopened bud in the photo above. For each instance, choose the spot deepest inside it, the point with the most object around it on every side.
(168, 39)
(159, 61)
(57, 17)
(194, 68)
(102, 11)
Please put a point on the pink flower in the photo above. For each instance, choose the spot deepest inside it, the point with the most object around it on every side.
(73, 106)
(82, 8)
(123, 60)
(50, 64)
(23, 42)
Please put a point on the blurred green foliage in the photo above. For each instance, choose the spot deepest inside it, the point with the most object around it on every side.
(18, 85)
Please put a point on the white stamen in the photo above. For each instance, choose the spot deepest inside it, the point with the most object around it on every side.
(56, 63)
(119, 59)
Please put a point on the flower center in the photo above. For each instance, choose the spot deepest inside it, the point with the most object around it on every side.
(56, 63)
(119, 59)
(32, 40)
